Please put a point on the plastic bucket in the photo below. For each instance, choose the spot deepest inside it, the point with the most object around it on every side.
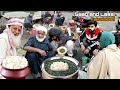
(84, 60)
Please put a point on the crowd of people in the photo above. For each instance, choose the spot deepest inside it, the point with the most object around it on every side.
(46, 40)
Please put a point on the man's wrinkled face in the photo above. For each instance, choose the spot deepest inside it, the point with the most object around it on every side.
(15, 29)
(72, 26)
(41, 34)
(15, 34)
(91, 27)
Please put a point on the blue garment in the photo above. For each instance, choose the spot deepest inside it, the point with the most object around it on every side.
(59, 21)
(34, 58)
(47, 14)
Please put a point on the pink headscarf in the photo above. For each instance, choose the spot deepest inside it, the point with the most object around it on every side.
(13, 21)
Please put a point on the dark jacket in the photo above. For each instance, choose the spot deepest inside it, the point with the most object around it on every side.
(91, 38)
(28, 22)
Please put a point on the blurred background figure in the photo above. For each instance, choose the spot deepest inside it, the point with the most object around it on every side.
(59, 19)
(72, 28)
(48, 17)
(28, 22)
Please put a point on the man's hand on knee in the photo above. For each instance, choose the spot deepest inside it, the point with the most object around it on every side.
(95, 52)
(82, 48)
(86, 51)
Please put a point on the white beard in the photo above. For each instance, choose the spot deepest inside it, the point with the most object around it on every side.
(40, 39)
(16, 40)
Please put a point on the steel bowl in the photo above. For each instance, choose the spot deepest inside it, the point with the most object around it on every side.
(45, 74)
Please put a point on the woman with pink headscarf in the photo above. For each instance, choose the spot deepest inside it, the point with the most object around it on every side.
(11, 38)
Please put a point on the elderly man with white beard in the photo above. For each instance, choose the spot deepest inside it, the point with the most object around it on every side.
(11, 38)
(38, 49)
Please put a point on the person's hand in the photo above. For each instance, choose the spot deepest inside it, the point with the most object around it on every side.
(86, 51)
(55, 50)
(86, 66)
(98, 43)
(42, 53)
(82, 48)
(95, 52)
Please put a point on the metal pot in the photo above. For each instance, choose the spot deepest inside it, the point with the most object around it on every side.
(46, 75)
